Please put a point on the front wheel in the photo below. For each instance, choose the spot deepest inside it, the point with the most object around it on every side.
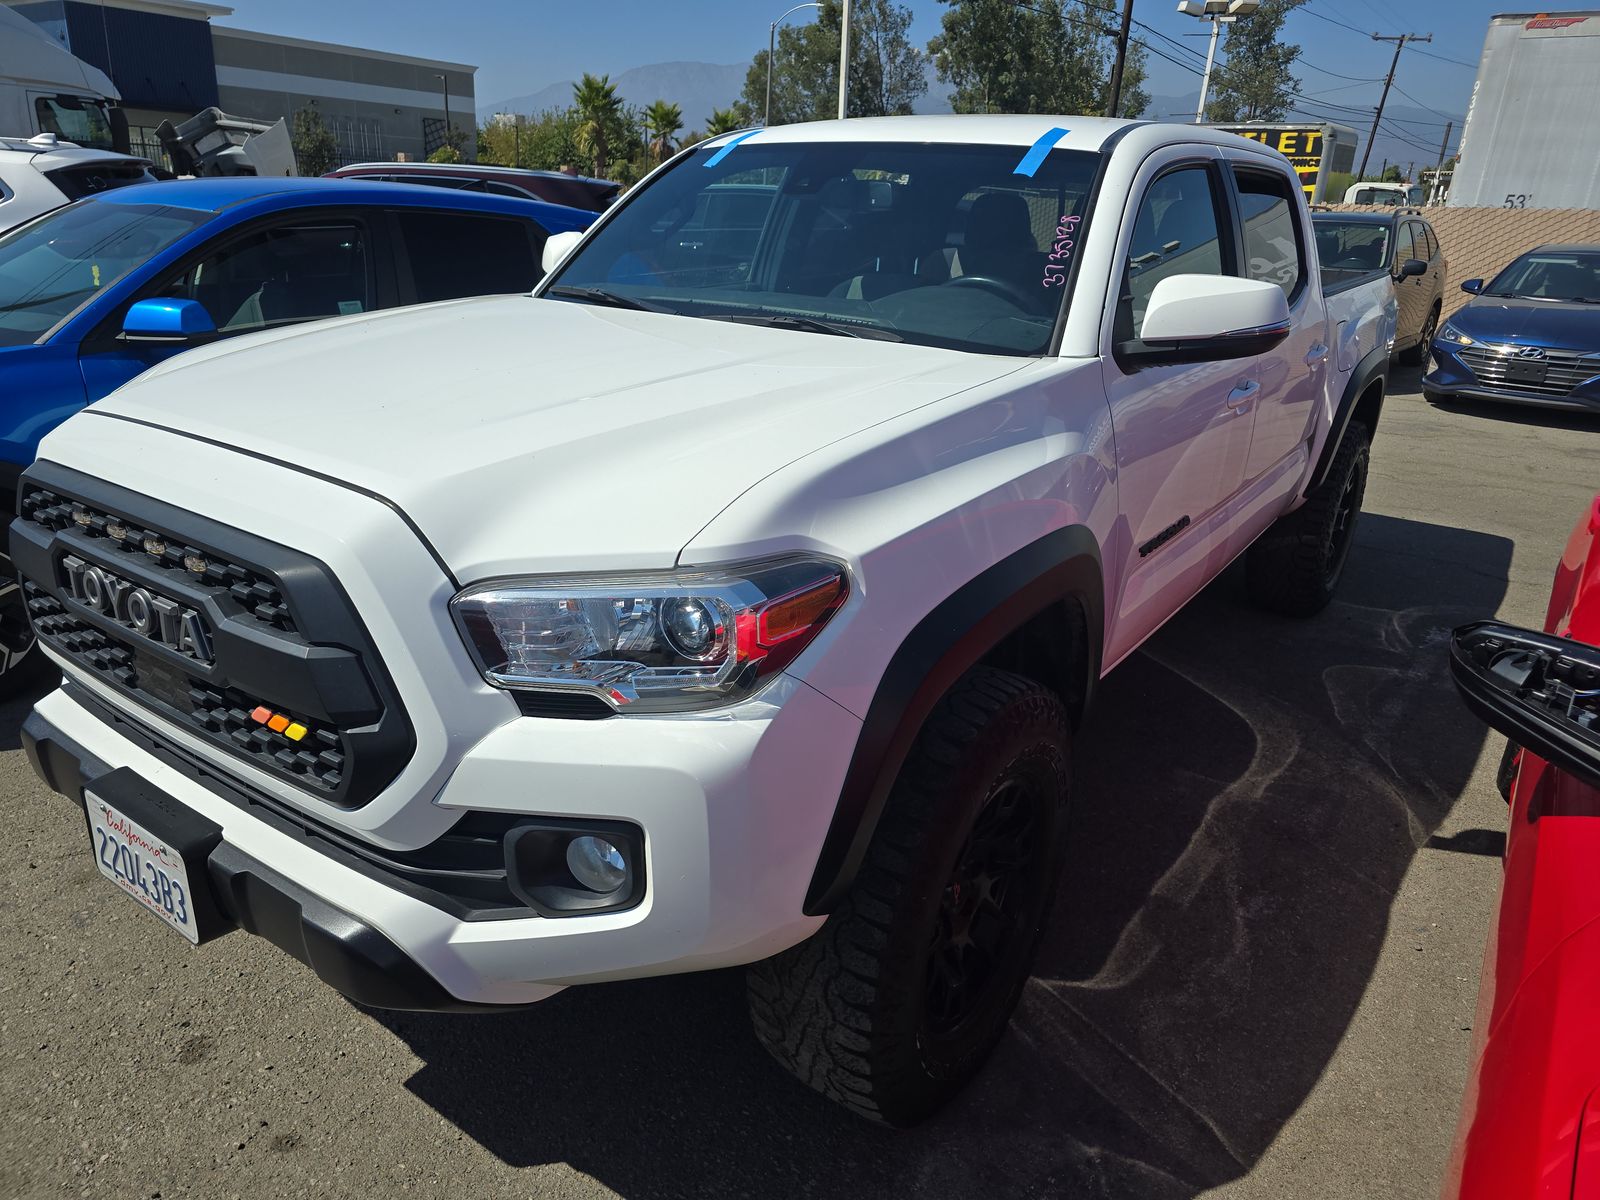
(23, 665)
(1296, 565)
(1415, 356)
(894, 1004)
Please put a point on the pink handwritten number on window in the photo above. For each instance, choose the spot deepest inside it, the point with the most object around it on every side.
(1055, 267)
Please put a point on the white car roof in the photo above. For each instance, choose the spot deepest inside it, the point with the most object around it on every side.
(995, 129)
(49, 155)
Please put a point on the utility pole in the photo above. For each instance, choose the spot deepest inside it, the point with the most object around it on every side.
(1122, 55)
(844, 63)
(1399, 41)
(1444, 145)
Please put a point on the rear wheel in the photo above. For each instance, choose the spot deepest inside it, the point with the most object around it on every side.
(894, 1004)
(1296, 565)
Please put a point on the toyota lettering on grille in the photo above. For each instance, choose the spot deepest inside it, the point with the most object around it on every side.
(137, 608)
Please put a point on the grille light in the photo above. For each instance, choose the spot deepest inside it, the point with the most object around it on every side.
(686, 639)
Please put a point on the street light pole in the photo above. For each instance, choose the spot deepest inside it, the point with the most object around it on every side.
(844, 63)
(1219, 13)
(444, 90)
(772, 49)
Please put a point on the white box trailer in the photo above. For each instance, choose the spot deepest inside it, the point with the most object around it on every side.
(1531, 138)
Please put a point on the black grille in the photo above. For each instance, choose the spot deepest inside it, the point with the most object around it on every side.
(253, 592)
(268, 661)
(317, 761)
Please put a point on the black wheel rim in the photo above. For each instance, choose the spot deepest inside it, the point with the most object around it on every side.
(1344, 523)
(987, 910)
(16, 636)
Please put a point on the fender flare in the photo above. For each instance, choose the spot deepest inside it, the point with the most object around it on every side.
(944, 645)
(1373, 368)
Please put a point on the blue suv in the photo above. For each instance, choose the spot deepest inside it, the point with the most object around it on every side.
(97, 292)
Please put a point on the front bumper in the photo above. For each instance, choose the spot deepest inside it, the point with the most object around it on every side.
(1451, 376)
(733, 812)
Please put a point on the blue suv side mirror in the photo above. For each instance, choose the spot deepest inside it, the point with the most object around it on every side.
(168, 321)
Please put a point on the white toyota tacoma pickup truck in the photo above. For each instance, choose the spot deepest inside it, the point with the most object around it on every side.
(730, 600)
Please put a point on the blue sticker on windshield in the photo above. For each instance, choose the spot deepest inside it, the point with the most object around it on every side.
(1036, 153)
(722, 151)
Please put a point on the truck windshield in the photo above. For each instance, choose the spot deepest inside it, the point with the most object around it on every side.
(52, 266)
(1347, 250)
(944, 245)
(1551, 275)
(80, 119)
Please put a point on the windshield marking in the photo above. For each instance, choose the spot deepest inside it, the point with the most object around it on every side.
(727, 147)
(1036, 152)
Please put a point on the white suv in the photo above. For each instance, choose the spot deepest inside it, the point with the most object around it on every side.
(42, 173)
(731, 600)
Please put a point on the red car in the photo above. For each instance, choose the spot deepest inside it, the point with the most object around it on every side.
(1530, 1122)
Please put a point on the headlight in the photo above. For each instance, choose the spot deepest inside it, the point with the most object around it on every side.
(1451, 334)
(651, 642)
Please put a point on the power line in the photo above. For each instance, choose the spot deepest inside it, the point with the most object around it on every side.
(1443, 58)
(1311, 12)
(1448, 118)
(1337, 75)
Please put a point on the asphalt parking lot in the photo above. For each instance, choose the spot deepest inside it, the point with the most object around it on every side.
(1260, 981)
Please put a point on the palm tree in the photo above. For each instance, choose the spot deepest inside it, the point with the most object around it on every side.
(724, 120)
(663, 121)
(599, 117)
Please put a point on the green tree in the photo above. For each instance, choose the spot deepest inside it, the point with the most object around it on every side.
(886, 74)
(726, 120)
(1253, 83)
(315, 150)
(662, 122)
(445, 154)
(1051, 56)
(601, 120)
(1135, 96)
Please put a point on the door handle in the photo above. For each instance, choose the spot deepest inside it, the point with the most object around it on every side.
(1316, 354)
(1243, 395)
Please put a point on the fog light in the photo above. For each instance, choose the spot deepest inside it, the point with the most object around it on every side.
(597, 864)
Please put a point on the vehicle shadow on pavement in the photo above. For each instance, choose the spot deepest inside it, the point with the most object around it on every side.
(1249, 794)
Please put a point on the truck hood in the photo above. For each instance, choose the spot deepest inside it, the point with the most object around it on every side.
(1551, 323)
(525, 435)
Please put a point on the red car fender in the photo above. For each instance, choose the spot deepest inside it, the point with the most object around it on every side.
(1530, 1120)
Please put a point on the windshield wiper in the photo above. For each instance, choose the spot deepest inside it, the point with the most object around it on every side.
(809, 325)
(610, 299)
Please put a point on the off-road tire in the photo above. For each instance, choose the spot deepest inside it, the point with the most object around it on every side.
(23, 666)
(856, 1011)
(1295, 567)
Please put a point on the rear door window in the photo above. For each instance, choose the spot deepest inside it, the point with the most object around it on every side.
(1274, 245)
(91, 178)
(454, 254)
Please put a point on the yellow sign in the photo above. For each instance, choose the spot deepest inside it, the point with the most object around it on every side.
(1302, 147)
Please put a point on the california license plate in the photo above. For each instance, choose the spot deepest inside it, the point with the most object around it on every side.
(142, 864)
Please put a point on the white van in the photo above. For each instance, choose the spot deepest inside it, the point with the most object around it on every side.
(1391, 195)
(44, 89)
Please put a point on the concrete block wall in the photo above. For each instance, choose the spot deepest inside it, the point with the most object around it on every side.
(1477, 242)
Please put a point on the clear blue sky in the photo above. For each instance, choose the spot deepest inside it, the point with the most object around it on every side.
(520, 46)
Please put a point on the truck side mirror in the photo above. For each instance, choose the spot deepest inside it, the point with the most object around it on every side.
(173, 322)
(1191, 318)
(1472, 286)
(1542, 692)
(557, 246)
